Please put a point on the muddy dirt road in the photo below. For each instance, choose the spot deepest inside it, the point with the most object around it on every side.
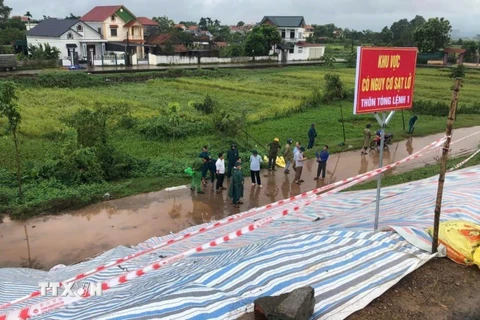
(74, 236)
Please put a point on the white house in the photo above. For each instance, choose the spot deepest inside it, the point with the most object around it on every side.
(294, 46)
(72, 37)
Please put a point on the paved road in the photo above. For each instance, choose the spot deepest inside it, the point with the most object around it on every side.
(131, 220)
(147, 68)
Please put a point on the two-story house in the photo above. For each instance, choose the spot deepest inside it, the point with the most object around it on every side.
(119, 27)
(292, 32)
(74, 39)
(309, 31)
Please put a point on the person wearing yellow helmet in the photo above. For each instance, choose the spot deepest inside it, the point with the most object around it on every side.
(274, 146)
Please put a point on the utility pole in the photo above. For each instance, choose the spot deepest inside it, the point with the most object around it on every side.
(443, 166)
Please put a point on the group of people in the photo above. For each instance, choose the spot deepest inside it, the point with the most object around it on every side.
(232, 167)
(205, 164)
(296, 157)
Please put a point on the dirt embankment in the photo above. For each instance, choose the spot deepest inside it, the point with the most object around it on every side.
(439, 290)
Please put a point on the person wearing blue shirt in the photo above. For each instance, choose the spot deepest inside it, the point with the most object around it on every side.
(322, 158)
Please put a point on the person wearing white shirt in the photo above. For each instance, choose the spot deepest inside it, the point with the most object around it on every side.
(220, 166)
(295, 151)
(255, 161)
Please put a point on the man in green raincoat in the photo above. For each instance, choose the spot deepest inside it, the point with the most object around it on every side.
(235, 190)
(197, 176)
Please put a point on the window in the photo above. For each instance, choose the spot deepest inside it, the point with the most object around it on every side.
(99, 30)
(292, 34)
(79, 28)
(283, 33)
(300, 49)
(300, 35)
(290, 51)
(70, 35)
(133, 32)
(112, 17)
(113, 32)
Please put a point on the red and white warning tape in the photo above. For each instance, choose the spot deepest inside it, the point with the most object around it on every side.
(55, 303)
(464, 161)
(36, 309)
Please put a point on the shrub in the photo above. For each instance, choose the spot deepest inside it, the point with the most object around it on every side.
(428, 107)
(207, 106)
(458, 71)
(328, 60)
(352, 60)
(228, 124)
(117, 165)
(160, 127)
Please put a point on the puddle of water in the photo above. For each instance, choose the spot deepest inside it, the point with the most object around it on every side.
(77, 235)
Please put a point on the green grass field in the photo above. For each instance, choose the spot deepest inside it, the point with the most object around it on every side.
(266, 94)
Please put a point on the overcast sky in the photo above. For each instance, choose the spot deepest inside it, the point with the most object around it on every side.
(357, 14)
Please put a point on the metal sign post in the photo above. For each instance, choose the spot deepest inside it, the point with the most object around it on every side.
(384, 82)
(383, 124)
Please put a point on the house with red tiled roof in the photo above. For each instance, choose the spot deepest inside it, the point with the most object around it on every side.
(180, 26)
(149, 26)
(119, 26)
(161, 42)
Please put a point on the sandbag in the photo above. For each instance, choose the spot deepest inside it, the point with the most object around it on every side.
(462, 241)
(280, 162)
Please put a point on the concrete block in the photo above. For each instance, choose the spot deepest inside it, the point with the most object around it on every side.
(264, 306)
(296, 305)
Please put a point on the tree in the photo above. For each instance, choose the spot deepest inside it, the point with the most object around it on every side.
(386, 36)
(209, 22)
(4, 11)
(416, 23)
(11, 30)
(43, 52)
(10, 110)
(188, 23)
(165, 25)
(72, 16)
(334, 90)
(401, 33)
(255, 44)
(28, 15)
(168, 48)
(261, 40)
(216, 23)
(203, 23)
(8, 35)
(433, 36)
(240, 24)
(472, 49)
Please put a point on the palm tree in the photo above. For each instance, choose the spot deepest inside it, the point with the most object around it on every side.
(29, 16)
(216, 23)
(209, 22)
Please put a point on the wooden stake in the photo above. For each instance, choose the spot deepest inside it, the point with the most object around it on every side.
(28, 245)
(443, 166)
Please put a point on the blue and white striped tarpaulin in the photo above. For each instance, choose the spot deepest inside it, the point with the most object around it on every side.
(328, 245)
